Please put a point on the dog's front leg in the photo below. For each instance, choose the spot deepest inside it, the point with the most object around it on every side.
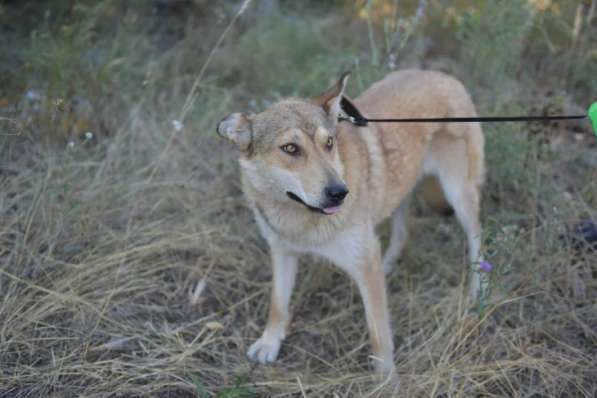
(369, 277)
(284, 265)
(365, 268)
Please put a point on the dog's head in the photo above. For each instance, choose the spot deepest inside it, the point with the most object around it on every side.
(289, 151)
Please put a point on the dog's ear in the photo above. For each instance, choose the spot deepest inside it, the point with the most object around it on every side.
(237, 128)
(330, 100)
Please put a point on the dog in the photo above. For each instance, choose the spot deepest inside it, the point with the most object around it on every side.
(319, 186)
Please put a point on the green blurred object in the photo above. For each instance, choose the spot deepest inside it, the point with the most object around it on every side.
(592, 113)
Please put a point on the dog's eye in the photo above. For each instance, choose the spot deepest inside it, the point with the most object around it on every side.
(291, 149)
(329, 144)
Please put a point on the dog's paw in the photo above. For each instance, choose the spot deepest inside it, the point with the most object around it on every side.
(264, 350)
(383, 366)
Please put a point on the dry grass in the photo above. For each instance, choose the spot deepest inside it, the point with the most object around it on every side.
(105, 247)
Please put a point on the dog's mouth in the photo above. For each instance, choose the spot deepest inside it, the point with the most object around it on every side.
(325, 210)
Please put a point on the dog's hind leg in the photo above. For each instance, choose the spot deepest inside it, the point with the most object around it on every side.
(458, 173)
(284, 265)
(464, 198)
(398, 237)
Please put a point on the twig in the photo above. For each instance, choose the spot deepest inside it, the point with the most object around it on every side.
(192, 96)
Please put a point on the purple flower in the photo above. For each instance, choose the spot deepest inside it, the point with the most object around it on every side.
(485, 266)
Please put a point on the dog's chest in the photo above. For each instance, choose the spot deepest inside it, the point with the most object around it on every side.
(342, 246)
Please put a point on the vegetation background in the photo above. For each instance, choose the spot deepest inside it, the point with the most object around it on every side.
(130, 265)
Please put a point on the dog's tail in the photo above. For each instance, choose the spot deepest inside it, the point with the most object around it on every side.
(462, 104)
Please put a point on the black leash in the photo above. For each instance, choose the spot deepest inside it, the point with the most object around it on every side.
(362, 121)
(355, 117)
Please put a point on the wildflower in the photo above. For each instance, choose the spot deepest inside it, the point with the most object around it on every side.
(71, 144)
(33, 95)
(177, 124)
(485, 266)
(88, 135)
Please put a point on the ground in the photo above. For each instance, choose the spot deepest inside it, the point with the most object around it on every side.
(130, 265)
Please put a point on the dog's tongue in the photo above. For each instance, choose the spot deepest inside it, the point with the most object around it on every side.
(332, 210)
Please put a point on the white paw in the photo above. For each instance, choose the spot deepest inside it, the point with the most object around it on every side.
(264, 350)
(384, 366)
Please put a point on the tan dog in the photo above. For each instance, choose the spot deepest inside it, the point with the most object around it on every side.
(320, 186)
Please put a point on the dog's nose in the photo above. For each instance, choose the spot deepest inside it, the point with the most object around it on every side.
(336, 192)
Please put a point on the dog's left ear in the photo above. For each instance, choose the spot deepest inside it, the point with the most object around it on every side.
(330, 100)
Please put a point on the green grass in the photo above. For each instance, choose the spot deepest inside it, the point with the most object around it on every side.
(103, 241)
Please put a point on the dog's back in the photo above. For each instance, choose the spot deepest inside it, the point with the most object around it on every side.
(408, 147)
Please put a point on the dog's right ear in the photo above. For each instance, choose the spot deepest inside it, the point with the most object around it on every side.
(237, 128)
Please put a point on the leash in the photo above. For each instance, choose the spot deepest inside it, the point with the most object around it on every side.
(355, 117)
